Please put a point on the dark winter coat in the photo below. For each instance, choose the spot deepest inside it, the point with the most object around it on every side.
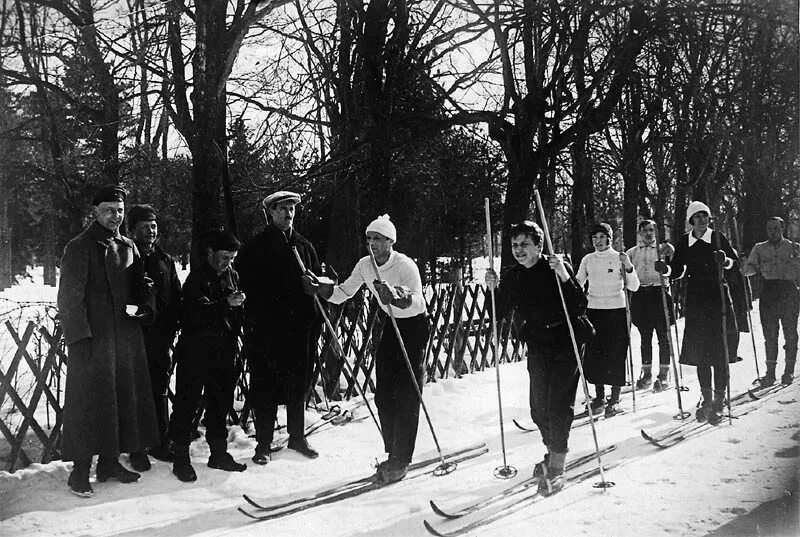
(205, 310)
(277, 309)
(160, 332)
(108, 405)
(702, 336)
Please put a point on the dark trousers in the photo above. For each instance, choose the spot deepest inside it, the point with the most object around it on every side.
(647, 313)
(720, 378)
(553, 382)
(780, 305)
(205, 363)
(158, 363)
(280, 373)
(395, 394)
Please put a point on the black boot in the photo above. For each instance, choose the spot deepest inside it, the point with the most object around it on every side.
(110, 468)
(220, 459)
(300, 444)
(78, 481)
(717, 406)
(704, 408)
(262, 454)
(182, 467)
(788, 372)
(165, 452)
(645, 379)
(139, 461)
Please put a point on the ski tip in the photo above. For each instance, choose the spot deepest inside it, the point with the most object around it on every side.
(249, 500)
(439, 512)
(753, 395)
(431, 529)
(247, 513)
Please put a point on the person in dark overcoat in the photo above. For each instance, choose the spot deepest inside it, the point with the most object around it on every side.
(280, 318)
(159, 332)
(102, 295)
(699, 255)
(211, 321)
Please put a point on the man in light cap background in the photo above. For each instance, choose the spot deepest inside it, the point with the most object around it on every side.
(401, 288)
(108, 407)
(159, 332)
(280, 318)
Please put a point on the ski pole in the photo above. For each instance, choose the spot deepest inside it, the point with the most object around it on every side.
(624, 275)
(338, 345)
(681, 415)
(724, 312)
(505, 471)
(747, 296)
(445, 467)
(603, 483)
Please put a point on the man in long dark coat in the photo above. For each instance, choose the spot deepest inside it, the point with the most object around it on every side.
(102, 293)
(279, 321)
(159, 332)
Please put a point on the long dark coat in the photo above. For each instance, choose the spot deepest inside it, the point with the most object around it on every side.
(702, 336)
(108, 405)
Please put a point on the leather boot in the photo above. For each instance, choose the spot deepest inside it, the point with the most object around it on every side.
(553, 480)
(110, 468)
(182, 467)
(717, 406)
(220, 459)
(78, 481)
(705, 405)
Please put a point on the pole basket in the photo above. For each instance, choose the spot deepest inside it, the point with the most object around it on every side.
(681, 415)
(604, 485)
(444, 469)
(684, 388)
(505, 472)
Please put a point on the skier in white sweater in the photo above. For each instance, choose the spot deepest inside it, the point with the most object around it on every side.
(608, 272)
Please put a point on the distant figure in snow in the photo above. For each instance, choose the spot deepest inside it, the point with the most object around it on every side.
(102, 296)
(159, 332)
(400, 288)
(778, 261)
(211, 321)
(610, 274)
(280, 319)
(699, 255)
(530, 288)
(647, 309)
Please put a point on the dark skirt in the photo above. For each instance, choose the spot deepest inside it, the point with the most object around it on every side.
(605, 359)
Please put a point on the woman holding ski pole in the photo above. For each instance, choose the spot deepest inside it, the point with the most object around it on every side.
(605, 360)
(698, 256)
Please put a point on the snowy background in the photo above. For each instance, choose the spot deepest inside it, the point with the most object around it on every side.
(715, 482)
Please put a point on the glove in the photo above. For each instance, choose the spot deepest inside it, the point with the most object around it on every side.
(719, 257)
(310, 284)
(661, 267)
(385, 294)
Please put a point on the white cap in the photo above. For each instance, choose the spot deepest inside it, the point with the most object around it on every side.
(694, 208)
(384, 226)
(280, 196)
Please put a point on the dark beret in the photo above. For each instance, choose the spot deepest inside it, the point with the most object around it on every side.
(601, 227)
(140, 213)
(223, 240)
(109, 193)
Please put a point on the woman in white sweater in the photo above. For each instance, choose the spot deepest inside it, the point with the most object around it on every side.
(605, 361)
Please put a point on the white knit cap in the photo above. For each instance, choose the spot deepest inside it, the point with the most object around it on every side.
(384, 226)
(694, 208)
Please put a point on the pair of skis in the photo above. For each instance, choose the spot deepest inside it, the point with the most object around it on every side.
(354, 488)
(574, 475)
(690, 429)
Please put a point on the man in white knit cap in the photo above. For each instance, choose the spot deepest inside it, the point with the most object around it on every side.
(400, 288)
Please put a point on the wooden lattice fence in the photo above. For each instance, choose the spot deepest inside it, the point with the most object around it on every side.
(33, 362)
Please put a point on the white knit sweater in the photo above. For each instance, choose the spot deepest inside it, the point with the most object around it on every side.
(602, 270)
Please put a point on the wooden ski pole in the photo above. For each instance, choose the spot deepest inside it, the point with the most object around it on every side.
(747, 296)
(724, 313)
(445, 467)
(338, 345)
(624, 275)
(681, 415)
(603, 483)
(505, 471)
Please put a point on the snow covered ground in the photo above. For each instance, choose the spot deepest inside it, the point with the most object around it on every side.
(694, 488)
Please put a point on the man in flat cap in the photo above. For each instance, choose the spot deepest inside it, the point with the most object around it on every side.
(211, 321)
(102, 296)
(159, 332)
(280, 318)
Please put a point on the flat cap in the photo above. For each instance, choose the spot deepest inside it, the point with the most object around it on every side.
(601, 227)
(109, 193)
(281, 196)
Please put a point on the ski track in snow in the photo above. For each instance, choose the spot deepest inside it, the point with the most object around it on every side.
(689, 489)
